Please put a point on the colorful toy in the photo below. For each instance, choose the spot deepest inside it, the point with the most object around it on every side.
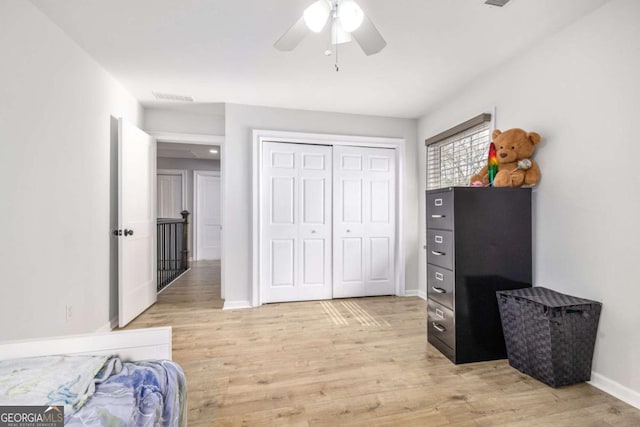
(492, 164)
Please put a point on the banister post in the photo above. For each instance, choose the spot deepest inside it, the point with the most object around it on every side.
(185, 239)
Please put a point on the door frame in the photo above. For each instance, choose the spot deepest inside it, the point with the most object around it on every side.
(203, 139)
(197, 173)
(262, 136)
(183, 174)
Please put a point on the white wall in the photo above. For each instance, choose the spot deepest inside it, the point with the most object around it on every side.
(237, 180)
(55, 166)
(185, 118)
(580, 90)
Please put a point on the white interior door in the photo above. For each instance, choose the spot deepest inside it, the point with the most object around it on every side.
(364, 224)
(296, 222)
(170, 195)
(208, 231)
(136, 222)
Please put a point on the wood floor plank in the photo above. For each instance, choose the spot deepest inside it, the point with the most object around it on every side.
(298, 364)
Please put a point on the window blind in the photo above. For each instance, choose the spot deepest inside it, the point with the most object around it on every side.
(454, 160)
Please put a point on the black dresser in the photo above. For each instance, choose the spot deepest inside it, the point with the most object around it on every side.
(478, 242)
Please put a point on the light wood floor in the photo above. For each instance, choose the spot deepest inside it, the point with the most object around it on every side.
(360, 362)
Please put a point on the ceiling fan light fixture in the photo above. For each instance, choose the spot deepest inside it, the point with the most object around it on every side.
(338, 34)
(316, 15)
(350, 15)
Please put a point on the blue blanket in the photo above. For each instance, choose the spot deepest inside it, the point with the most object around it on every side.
(149, 393)
(98, 390)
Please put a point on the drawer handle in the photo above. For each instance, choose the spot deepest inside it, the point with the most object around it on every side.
(437, 202)
(438, 290)
(438, 327)
(438, 216)
(437, 253)
(439, 276)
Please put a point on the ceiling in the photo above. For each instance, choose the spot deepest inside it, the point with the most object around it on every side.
(222, 51)
(188, 151)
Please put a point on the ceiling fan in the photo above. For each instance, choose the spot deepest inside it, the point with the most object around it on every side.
(347, 21)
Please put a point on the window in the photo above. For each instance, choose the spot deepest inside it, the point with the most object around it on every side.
(454, 156)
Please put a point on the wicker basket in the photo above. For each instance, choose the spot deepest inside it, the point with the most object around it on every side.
(549, 336)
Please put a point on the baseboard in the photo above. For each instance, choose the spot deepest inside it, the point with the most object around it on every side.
(415, 293)
(235, 305)
(109, 326)
(615, 389)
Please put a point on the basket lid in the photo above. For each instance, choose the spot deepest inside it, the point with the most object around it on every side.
(547, 297)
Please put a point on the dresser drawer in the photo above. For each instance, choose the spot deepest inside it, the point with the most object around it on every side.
(440, 323)
(440, 285)
(440, 248)
(440, 210)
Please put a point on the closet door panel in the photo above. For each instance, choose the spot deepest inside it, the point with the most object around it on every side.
(364, 202)
(296, 225)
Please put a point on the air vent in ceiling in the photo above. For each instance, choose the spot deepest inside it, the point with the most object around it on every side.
(498, 3)
(172, 97)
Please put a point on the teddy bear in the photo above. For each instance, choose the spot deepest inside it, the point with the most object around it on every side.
(514, 148)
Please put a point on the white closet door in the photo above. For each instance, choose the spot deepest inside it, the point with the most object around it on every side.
(364, 222)
(296, 222)
(208, 227)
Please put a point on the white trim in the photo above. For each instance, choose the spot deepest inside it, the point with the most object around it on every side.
(183, 174)
(325, 139)
(133, 344)
(615, 389)
(194, 220)
(236, 305)
(416, 293)
(188, 138)
(400, 201)
(261, 136)
(108, 327)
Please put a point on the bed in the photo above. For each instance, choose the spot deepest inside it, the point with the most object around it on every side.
(116, 378)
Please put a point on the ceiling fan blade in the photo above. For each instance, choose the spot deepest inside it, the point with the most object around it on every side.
(293, 36)
(369, 38)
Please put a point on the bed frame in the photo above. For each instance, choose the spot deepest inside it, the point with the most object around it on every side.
(130, 345)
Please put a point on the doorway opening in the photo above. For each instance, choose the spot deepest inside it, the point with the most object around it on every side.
(188, 208)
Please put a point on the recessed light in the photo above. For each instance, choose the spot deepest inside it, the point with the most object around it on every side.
(213, 151)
